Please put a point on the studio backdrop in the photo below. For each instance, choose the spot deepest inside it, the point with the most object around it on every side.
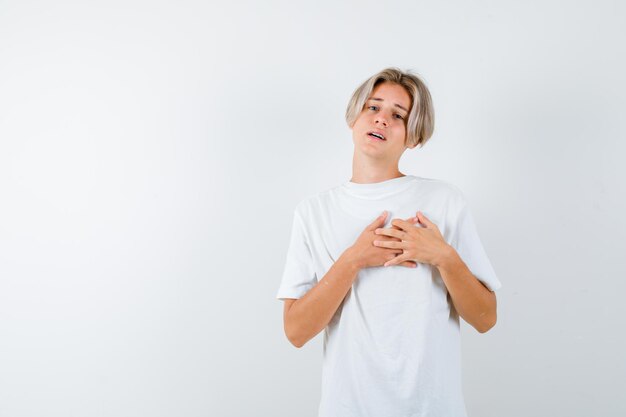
(152, 155)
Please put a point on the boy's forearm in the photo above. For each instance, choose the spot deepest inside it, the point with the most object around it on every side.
(310, 314)
(472, 300)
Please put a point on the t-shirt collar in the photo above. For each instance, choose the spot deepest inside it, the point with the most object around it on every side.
(378, 189)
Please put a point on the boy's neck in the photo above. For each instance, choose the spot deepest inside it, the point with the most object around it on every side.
(370, 176)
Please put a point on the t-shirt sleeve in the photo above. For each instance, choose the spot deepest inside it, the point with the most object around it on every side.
(467, 243)
(298, 273)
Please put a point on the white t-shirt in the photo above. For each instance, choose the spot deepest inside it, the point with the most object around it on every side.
(392, 349)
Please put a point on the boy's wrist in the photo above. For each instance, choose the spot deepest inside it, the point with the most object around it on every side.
(447, 256)
(350, 258)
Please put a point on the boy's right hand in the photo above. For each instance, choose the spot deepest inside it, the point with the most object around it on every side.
(365, 254)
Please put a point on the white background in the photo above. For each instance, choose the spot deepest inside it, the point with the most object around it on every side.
(152, 154)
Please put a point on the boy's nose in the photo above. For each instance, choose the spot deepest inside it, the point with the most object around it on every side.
(381, 120)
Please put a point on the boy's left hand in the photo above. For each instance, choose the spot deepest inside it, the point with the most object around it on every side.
(419, 244)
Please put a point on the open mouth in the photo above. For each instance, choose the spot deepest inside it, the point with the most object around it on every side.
(376, 135)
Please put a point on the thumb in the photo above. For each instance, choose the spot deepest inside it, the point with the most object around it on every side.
(423, 219)
(379, 220)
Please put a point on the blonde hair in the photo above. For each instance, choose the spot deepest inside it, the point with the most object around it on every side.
(421, 121)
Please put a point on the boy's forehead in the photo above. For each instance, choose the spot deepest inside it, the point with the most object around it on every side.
(402, 94)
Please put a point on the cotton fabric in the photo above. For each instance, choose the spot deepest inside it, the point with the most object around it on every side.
(392, 348)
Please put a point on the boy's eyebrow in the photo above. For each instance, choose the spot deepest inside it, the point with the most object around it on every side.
(380, 99)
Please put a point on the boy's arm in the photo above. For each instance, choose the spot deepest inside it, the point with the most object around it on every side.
(471, 298)
(306, 317)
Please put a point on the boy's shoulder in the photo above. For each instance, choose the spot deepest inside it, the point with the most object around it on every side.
(312, 200)
(443, 186)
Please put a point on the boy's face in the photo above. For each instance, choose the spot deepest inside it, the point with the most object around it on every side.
(385, 113)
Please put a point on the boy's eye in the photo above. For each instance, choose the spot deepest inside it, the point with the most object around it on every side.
(397, 116)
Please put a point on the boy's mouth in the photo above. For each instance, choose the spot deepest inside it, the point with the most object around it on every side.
(376, 135)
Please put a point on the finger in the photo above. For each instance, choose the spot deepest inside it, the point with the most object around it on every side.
(424, 220)
(380, 220)
(410, 220)
(409, 264)
(390, 232)
(397, 260)
(403, 224)
(391, 244)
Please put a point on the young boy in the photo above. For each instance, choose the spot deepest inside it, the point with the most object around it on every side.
(388, 294)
